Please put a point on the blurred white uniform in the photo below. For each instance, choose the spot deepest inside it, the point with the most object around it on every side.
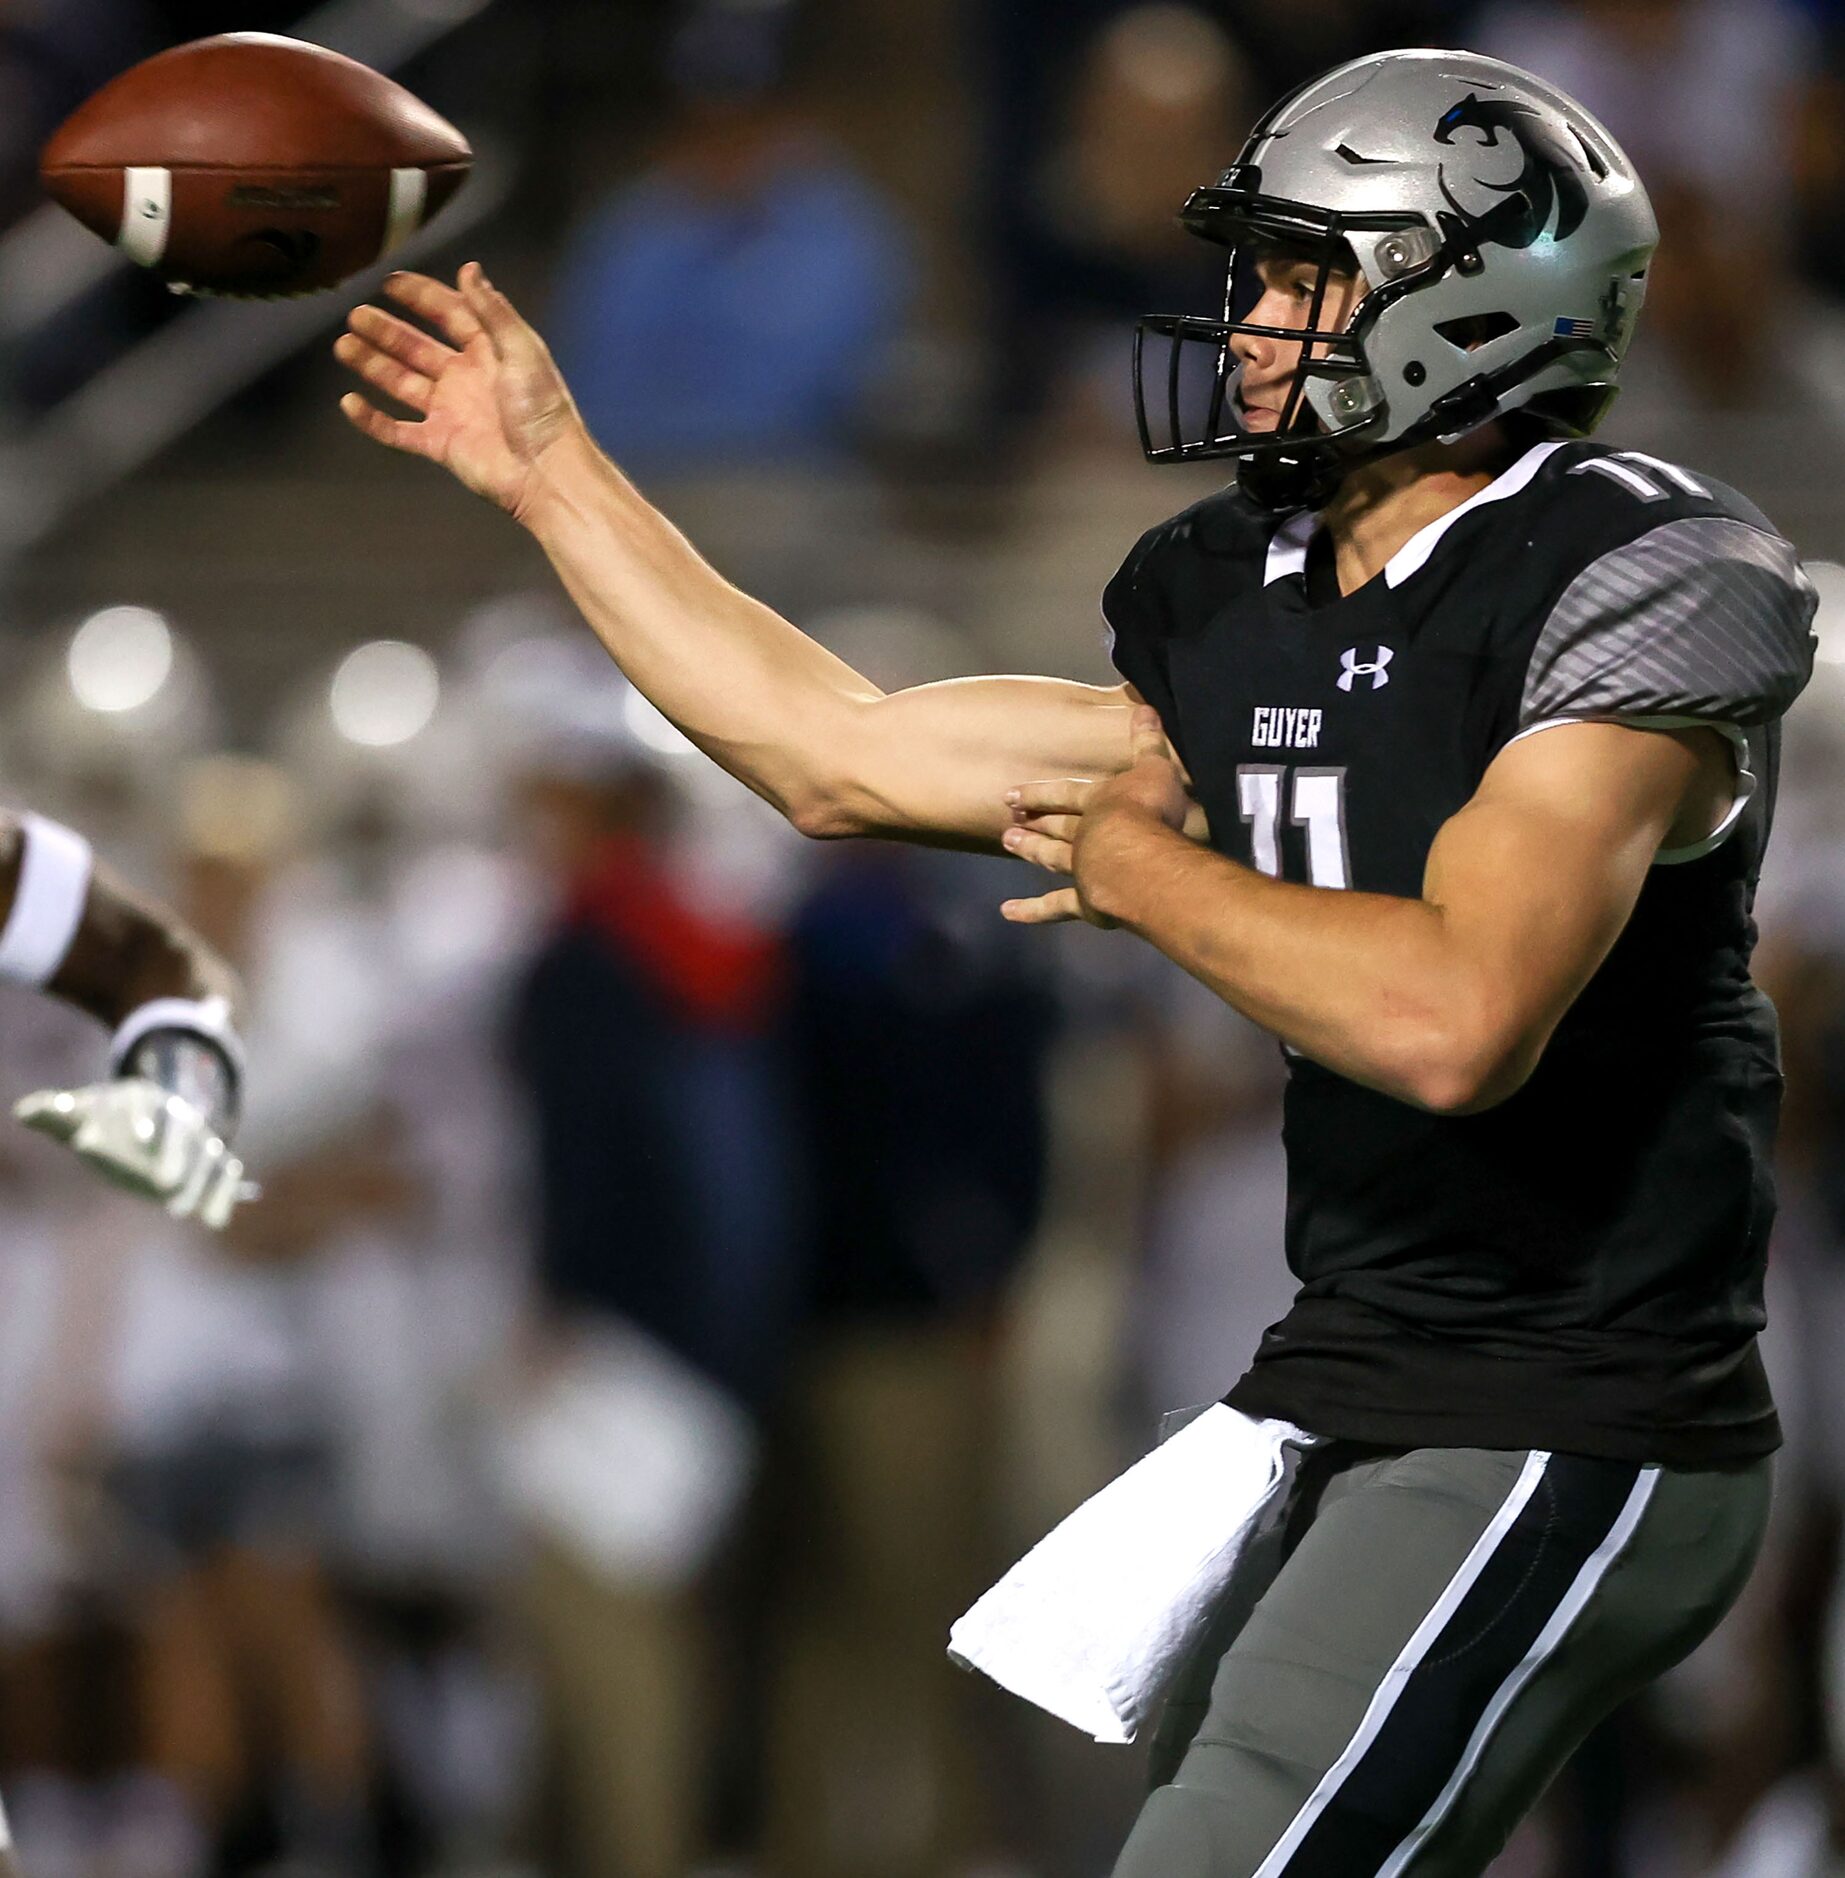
(1216, 1274)
(414, 1315)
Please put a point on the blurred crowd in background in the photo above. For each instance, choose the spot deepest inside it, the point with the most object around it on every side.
(694, 1261)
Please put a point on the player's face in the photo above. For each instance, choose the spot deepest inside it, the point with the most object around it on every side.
(1286, 300)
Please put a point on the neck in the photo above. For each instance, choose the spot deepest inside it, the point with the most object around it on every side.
(1382, 504)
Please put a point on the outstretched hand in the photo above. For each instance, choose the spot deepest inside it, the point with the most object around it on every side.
(142, 1137)
(1080, 828)
(489, 401)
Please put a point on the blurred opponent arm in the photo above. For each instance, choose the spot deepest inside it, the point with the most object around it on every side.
(161, 1123)
(128, 950)
(776, 709)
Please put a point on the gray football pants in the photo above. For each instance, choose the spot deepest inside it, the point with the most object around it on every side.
(1415, 1645)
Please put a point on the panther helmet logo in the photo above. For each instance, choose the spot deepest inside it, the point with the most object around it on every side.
(1550, 185)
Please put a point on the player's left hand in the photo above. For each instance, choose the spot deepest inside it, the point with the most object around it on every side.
(141, 1137)
(1080, 828)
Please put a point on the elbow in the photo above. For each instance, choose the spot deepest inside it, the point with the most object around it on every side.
(1458, 1088)
(1466, 1071)
(831, 801)
(821, 815)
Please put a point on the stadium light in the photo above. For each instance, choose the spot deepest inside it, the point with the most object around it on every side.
(383, 693)
(119, 659)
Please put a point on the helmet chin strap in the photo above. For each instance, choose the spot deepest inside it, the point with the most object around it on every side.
(1284, 480)
(1281, 479)
(1308, 475)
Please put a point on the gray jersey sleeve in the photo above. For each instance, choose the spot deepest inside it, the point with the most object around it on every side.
(1705, 617)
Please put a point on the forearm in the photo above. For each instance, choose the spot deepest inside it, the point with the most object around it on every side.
(129, 951)
(759, 696)
(75, 930)
(783, 714)
(1371, 985)
(118, 949)
(1446, 1000)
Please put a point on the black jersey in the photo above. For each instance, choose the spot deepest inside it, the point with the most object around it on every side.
(1580, 1267)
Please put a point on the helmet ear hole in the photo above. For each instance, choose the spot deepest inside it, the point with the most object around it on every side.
(1475, 329)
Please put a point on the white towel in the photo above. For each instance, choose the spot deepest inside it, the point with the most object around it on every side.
(1094, 1620)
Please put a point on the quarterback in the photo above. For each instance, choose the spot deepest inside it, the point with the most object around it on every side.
(1481, 718)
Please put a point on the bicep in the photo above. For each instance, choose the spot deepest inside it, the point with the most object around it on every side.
(933, 763)
(1536, 877)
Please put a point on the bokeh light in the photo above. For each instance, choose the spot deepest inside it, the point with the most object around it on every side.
(119, 658)
(384, 693)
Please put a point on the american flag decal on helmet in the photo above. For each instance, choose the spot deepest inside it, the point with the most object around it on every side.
(1574, 329)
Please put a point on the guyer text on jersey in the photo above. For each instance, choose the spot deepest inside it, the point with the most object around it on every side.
(1284, 727)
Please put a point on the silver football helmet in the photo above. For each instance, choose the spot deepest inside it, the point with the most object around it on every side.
(1502, 234)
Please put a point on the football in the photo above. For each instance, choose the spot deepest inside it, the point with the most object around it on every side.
(253, 165)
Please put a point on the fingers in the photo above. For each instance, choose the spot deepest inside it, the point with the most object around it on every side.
(1146, 735)
(497, 315)
(439, 304)
(146, 1140)
(1064, 796)
(1055, 857)
(204, 1169)
(220, 1189)
(394, 432)
(394, 380)
(220, 1203)
(398, 339)
(1058, 827)
(1049, 909)
(52, 1112)
(215, 1194)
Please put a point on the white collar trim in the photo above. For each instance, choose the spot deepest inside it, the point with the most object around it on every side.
(1410, 558)
(1287, 548)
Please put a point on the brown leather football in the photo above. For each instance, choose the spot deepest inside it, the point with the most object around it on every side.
(256, 165)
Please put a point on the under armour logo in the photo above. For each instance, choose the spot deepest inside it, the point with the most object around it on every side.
(1373, 669)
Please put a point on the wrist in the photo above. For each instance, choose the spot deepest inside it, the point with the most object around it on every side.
(560, 481)
(1116, 854)
(188, 1046)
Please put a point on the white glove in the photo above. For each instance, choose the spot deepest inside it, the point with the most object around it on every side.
(136, 1134)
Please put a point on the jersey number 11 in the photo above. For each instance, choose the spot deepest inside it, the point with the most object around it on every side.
(1316, 802)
